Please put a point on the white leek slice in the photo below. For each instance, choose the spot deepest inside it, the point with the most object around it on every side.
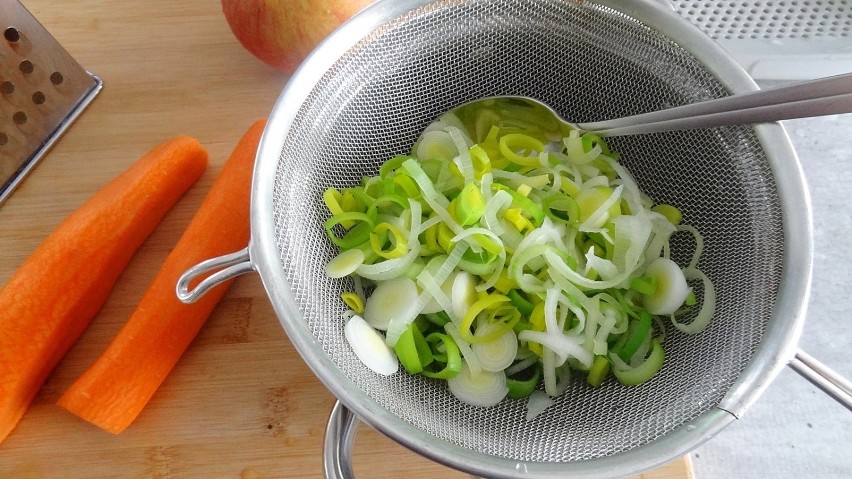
(345, 263)
(482, 389)
(632, 193)
(523, 255)
(510, 236)
(671, 288)
(370, 347)
(498, 354)
(602, 214)
(558, 266)
(611, 306)
(548, 368)
(429, 223)
(463, 293)
(514, 179)
(537, 403)
(575, 152)
(438, 202)
(661, 232)
(594, 180)
(435, 144)
(440, 295)
(442, 271)
(485, 186)
(463, 160)
(547, 233)
(605, 327)
(467, 235)
(443, 290)
(450, 119)
(399, 323)
(563, 345)
(494, 207)
(551, 303)
(497, 267)
(632, 234)
(390, 299)
(605, 268)
(708, 305)
(699, 244)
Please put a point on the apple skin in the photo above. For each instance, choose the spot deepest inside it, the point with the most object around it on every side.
(283, 32)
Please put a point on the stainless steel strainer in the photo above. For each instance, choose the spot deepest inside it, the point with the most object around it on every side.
(367, 92)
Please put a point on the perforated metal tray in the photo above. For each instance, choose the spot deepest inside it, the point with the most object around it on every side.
(42, 91)
(778, 39)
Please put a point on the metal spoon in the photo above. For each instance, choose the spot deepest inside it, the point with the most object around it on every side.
(825, 96)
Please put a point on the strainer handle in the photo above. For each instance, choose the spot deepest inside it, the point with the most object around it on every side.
(823, 377)
(226, 267)
(339, 440)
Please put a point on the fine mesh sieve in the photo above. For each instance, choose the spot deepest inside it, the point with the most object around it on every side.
(370, 89)
(376, 99)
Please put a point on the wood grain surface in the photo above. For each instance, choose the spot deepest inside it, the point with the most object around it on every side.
(240, 403)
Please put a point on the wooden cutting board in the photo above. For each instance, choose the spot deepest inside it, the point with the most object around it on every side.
(241, 403)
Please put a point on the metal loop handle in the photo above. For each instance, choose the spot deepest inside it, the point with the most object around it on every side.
(339, 440)
(228, 266)
(823, 377)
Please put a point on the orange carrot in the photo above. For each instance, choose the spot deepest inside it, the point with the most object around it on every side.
(115, 389)
(52, 297)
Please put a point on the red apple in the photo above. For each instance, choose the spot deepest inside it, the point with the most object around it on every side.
(283, 32)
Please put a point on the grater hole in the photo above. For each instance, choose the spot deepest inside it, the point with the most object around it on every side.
(56, 78)
(12, 34)
(38, 98)
(19, 118)
(7, 87)
(26, 67)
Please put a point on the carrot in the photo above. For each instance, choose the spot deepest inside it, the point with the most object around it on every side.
(53, 295)
(116, 388)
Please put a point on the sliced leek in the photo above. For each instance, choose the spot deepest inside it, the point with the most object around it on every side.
(390, 299)
(501, 258)
(344, 263)
(370, 347)
(483, 388)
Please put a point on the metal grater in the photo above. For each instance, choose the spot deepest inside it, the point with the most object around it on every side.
(778, 39)
(43, 90)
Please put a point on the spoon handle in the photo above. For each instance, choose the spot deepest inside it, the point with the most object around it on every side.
(826, 96)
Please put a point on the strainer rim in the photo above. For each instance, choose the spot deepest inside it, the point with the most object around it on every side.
(764, 366)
